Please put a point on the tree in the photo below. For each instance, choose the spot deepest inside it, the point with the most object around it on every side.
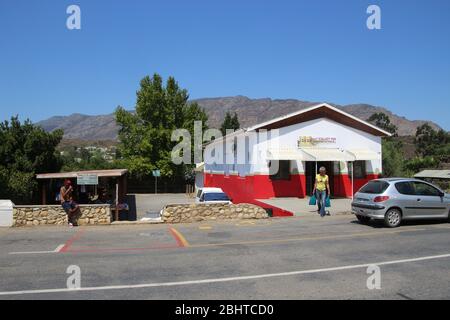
(393, 159)
(145, 135)
(382, 121)
(25, 150)
(229, 123)
(432, 143)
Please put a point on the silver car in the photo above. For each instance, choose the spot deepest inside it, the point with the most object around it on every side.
(396, 199)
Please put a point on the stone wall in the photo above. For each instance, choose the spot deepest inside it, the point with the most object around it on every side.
(178, 213)
(55, 215)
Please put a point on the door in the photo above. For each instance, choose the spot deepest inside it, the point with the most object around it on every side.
(407, 200)
(310, 173)
(429, 203)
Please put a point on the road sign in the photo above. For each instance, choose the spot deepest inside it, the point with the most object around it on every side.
(156, 173)
(87, 179)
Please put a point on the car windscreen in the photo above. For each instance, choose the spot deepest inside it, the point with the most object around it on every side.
(375, 187)
(216, 196)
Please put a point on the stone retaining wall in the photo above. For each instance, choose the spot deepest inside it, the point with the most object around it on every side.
(55, 215)
(178, 213)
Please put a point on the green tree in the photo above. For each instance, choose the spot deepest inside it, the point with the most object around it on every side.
(382, 121)
(432, 143)
(145, 135)
(393, 158)
(25, 150)
(230, 123)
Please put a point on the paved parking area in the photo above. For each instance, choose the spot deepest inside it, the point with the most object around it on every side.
(279, 258)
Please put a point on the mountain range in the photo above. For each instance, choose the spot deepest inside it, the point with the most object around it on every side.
(249, 111)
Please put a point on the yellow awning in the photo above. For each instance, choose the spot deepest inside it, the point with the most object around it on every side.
(365, 154)
(329, 154)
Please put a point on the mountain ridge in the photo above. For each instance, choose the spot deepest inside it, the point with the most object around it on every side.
(250, 112)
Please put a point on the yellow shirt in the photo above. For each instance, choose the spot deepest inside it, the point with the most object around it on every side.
(321, 182)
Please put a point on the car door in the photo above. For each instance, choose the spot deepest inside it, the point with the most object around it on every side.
(430, 204)
(407, 200)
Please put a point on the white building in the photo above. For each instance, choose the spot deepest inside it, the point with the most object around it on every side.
(297, 144)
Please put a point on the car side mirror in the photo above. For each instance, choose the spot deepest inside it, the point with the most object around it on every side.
(441, 194)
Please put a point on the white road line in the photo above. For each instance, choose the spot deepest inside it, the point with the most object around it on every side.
(58, 248)
(205, 281)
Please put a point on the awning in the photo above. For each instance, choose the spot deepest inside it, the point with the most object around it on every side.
(74, 174)
(200, 167)
(436, 174)
(288, 154)
(329, 154)
(365, 154)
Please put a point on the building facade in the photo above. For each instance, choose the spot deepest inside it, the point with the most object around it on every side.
(280, 158)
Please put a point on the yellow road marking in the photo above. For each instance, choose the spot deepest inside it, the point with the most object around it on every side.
(180, 237)
(205, 227)
(256, 242)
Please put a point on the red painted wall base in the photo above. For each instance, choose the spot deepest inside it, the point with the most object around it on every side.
(249, 189)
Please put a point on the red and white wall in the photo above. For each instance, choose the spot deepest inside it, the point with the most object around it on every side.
(245, 180)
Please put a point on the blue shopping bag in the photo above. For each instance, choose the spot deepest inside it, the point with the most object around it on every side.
(327, 202)
(312, 200)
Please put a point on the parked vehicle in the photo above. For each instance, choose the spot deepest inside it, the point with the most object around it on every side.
(212, 195)
(396, 199)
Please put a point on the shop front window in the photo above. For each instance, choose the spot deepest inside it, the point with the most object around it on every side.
(359, 169)
(283, 172)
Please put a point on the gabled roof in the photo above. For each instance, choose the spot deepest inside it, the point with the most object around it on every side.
(322, 110)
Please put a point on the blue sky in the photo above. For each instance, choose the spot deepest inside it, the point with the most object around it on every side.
(309, 50)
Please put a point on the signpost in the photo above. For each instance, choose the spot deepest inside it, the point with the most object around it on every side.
(156, 174)
(87, 180)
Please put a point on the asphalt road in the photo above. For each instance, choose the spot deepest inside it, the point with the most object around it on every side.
(284, 258)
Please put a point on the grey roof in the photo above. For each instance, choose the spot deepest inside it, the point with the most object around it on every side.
(437, 174)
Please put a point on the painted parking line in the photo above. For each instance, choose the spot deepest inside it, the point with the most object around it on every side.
(205, 227)
(74, 238)
(227, 279)
(58, 249)
(179, 238)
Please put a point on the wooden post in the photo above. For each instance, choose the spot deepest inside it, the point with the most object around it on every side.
(44, 193)
(117, 202)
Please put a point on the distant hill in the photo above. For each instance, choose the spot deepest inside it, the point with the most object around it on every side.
(250, 112)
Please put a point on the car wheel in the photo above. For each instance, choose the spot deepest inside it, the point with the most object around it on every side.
(393, 218)
(363, 219)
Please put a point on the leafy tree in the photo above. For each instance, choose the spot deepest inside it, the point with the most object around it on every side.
(392, 158)
(418, 164)
(432, 143)
(230, 122)
(382, 121)
(25, 150)
(145, 135)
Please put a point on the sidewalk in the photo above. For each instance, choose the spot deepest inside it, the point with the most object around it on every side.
(301, 207)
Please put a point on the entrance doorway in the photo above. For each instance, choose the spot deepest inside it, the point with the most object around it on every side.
(310, 173)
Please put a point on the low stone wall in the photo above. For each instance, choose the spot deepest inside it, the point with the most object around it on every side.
(178, 213)
(55, 215)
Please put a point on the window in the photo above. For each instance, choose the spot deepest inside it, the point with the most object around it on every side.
(405, 188)
(423, 189)
(283, 172)
(375, 187)
(216, 196)
(359, 169)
